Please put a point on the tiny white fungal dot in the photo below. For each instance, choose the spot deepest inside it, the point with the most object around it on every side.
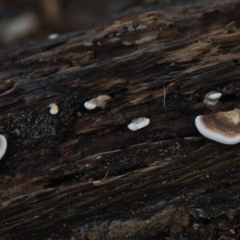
(138, 123)
(53, 108)
(215, 96)
(102, 100)
(53, 36)
(99, 101)
(91, 104)
(132, 127)
(3, 146)
(212, 98)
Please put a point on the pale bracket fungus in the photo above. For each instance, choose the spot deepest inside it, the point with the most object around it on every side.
(99, 101)
(138, 123)
(53, 108)
(3, 146)
(222, 127)
(212, 98)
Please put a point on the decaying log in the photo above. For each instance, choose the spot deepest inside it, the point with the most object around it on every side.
(82, 174)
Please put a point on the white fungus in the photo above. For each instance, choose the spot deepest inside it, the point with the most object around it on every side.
(53, 36)
(212, 98)
(79, 114)
(102, 100)
(3, 146)
(99, 101)
(53, 108)
(91, 104)
(138, 123)
(222, 127)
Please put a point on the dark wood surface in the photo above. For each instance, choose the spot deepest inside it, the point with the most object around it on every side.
(82, 174)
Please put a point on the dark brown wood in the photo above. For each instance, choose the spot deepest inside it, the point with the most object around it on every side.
(82, 174)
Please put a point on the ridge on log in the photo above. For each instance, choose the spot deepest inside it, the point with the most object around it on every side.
(83, 174)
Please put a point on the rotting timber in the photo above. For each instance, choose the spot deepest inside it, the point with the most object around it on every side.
(82, 174)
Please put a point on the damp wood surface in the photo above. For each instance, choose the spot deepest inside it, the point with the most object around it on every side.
(83, 174)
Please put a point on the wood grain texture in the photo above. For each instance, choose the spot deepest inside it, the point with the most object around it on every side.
(82, 174)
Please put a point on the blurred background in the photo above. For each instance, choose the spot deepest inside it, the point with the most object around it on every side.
(30, 20)
(26, 21)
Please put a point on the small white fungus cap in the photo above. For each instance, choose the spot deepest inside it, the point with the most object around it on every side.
(138, 123)
(91, 104)
(3, 146)
(102, 100)
(99, 101)
(222, 127)
(53, 108)
(212, 98)
(53, 36)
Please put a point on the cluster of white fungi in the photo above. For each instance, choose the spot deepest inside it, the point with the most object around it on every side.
(101, 102)
(222, 127)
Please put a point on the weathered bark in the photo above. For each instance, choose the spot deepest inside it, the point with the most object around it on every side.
(82, 174)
